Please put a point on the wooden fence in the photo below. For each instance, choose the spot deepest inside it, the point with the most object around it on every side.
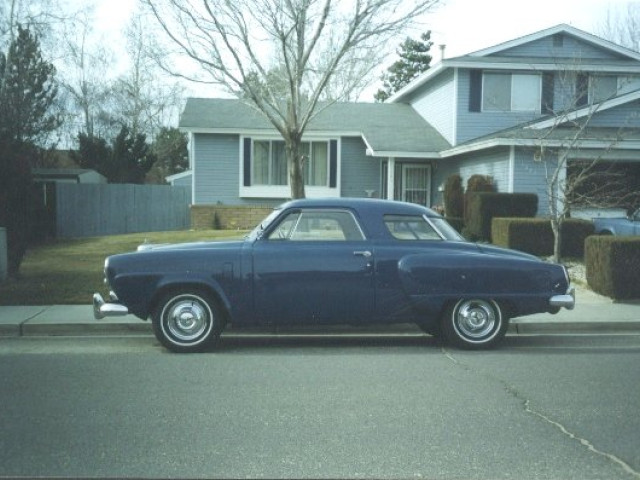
(88, 210)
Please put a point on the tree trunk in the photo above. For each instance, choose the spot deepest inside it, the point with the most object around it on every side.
(295, 161)
(556, 226)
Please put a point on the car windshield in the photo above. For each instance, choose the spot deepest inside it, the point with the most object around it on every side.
(447, 231)
(257, 231)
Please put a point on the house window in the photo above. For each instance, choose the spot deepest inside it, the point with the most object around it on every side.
(316, 163)
(264, 170)
(628, 83)
(269, 165)
(505, 92)
(604, 87)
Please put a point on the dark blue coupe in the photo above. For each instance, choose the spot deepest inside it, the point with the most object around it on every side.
(335, 261)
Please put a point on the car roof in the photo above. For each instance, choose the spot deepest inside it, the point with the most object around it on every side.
(363, 205)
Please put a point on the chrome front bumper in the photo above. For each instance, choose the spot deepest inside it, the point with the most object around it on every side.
(567, 301)
(101, 309)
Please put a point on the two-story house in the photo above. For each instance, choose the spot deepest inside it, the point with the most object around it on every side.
(503, 111)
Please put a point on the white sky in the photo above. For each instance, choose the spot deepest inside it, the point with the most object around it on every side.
(463, 26)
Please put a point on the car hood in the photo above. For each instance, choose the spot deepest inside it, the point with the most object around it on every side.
(145, 247)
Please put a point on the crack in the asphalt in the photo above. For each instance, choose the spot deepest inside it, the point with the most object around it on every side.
(528, 409)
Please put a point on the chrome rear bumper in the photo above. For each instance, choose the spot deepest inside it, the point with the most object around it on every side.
(101, 309)
(567, 301)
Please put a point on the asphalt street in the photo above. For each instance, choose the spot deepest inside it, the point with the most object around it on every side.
(321, 406)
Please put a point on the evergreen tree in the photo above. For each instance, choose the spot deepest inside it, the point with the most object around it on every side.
(170, 149)
(414, 60)
(131, 158)
(27, 98)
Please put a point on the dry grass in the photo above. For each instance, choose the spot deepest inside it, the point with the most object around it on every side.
(70, 271)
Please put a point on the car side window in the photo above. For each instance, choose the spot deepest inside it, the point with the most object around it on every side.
(410, 227)
(318, 225)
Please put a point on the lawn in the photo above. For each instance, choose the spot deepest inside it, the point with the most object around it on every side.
(67, 272)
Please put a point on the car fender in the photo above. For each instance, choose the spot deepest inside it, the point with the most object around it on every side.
(141, 292)
(433, 280)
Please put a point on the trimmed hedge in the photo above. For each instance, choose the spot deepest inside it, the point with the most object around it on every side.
(613, 266)
(535, 236)
(483, 207)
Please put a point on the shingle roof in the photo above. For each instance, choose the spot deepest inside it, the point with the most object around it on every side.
(385, 127)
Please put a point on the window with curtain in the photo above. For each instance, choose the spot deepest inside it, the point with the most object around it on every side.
(511, 92)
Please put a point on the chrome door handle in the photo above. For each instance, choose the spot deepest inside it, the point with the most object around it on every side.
(363, 253)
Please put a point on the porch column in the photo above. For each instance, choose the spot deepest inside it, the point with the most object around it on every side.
(391, 178)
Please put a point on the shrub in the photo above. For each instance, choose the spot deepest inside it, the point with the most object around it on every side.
(613, 266)
(454, 197)
(535, 236)
(483, 207)
(476, 184)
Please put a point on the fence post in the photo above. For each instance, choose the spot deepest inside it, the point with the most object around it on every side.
(4, 269)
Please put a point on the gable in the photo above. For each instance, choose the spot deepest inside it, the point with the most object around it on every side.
(561, 46)
(561, 39)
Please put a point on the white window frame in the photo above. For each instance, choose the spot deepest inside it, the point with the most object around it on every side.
(514, 79)
(284, 191)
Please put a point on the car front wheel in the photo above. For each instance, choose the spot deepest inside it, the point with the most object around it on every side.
(186, 321)
(474, 324)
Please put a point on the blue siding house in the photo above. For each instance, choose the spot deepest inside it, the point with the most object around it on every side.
(502, 111)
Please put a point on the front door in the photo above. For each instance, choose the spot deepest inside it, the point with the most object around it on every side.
(416, 184)
(314, 267)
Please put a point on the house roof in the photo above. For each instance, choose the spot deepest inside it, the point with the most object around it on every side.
(561, 28)
(558, 136)
(387, 129)
(628, 60)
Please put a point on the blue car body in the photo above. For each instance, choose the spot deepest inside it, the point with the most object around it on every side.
(385, 267)
(618, 226)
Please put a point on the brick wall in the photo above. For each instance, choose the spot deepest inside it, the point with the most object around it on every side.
(229, 217)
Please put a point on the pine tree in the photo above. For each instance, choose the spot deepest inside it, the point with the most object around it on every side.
(27, 95)
(414, 60)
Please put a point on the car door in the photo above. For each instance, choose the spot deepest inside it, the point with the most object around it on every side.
(314, 266)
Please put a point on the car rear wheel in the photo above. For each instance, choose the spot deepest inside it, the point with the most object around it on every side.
(186, 321)
(474, 323)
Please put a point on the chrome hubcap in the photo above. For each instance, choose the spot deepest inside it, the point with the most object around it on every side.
(187, 319)
(475, 319)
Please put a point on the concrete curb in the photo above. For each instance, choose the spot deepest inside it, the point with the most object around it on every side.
(593, 315)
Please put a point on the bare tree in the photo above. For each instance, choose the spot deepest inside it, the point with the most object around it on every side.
(576, 175)
(622, 25)
(143, 101)
(86, 62)
(236, 43)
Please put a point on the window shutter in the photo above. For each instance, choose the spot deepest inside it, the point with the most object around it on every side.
(333, 163)
(247, 162)
(475, 90)
(582, 89)
(547, 92)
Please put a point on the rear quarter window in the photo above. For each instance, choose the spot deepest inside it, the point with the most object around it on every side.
(410, 227)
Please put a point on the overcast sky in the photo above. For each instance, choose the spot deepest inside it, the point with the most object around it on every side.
(469, 25)
(463, 26)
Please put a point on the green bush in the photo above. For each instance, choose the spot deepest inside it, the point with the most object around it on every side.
(613, 266)
(535, 236)
(483, 207)
(476, 184)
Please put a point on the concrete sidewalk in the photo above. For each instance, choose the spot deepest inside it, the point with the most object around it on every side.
(592, 314)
